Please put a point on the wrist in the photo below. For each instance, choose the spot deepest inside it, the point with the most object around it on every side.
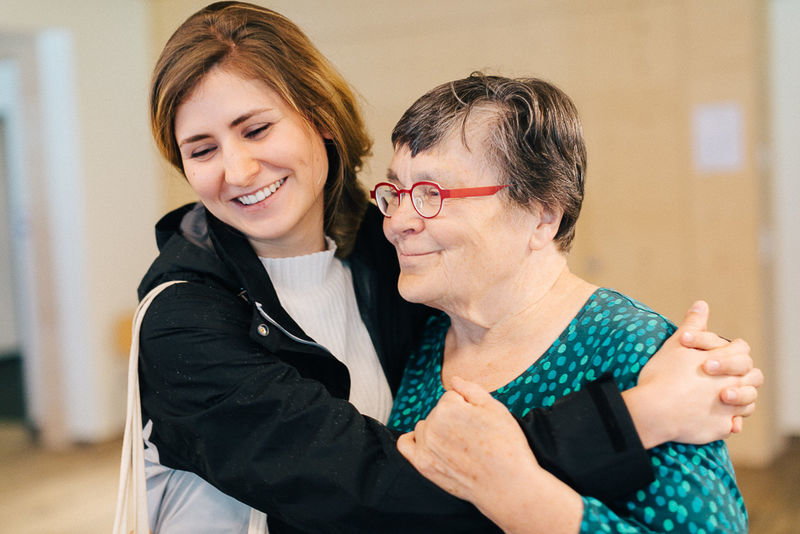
(525, 504)
(646, 409)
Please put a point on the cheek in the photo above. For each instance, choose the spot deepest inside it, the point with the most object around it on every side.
(387, 232)
(320, 169)
(202, 183)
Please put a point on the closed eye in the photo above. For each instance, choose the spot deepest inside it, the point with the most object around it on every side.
(258, 131)
(203, 152)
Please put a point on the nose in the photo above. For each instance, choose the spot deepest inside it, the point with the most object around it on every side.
(241, 167)
(404, 220)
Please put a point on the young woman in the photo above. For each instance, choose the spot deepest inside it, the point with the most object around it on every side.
(266, 378)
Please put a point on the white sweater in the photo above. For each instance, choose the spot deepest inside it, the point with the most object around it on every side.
(317, 291)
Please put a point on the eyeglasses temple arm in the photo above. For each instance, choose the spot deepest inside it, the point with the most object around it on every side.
(472, 191)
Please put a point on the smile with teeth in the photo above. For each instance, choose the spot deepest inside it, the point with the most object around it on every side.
(261, 194)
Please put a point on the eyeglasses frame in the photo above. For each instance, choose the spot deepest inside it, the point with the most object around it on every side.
(460, 192)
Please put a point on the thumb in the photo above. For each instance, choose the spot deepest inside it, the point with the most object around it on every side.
(472, 392)
(406, 444)
(696, 319)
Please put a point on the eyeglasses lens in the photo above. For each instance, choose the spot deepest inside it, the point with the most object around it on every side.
(387, 199)
(427, 199)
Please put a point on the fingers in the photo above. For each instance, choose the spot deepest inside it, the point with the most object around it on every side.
(748, 410)
(472, 392)
(739, 396)
(733, 359)
(754, 378)
(737, 424)
(692, 339)
(419, 433)
(406, 446)
(696, 318)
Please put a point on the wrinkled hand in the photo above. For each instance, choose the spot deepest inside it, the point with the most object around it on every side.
(469, 444)
(697, 387)
(472, 447)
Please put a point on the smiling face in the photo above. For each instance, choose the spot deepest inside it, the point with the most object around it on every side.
(255, 163)
(474, 248)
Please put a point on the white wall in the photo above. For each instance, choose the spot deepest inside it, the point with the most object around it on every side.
(784, 21)
(100, 186)
(9, 340)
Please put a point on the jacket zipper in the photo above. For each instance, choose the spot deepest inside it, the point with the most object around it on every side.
(274, 323)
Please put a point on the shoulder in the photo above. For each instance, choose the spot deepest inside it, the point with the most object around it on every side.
(195, 306)
(613, 312)
(186, 253)
(194, 323)
(621, 334)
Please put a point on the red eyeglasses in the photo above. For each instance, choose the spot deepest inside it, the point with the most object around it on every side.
(426, 197)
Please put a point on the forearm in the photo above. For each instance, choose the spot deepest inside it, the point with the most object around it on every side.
(533, 502)
(652, 429)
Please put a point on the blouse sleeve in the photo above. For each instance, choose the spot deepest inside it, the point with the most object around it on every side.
(694, 491)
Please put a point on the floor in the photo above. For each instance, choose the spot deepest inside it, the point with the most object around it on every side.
(74, 492)
(772, 495)
(69, 492)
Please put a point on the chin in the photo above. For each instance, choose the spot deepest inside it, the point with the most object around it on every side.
(413, 290)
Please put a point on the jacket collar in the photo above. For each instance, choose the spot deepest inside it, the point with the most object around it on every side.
(236, 252)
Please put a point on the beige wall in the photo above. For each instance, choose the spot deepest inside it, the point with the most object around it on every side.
(653, 226)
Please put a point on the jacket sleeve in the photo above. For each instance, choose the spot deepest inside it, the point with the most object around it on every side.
(249, 424)
(588, 440)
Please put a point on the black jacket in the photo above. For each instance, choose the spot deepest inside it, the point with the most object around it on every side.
(240, 395)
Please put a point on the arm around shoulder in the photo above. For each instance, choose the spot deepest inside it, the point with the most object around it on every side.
(250, 424)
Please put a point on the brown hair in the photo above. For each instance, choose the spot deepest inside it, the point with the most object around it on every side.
(258, 43)
(535, 138)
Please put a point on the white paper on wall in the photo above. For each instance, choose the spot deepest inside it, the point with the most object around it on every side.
(717, 137)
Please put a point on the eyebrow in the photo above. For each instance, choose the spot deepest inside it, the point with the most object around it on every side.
(234, 123)
(391, 176)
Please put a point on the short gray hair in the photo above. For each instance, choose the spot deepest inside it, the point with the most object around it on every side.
(535, 138)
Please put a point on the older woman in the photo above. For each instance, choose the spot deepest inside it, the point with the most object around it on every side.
(481, 202)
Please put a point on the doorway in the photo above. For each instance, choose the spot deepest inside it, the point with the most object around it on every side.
(12, 390)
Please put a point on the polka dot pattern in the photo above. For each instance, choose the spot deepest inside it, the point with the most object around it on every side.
(695, 490)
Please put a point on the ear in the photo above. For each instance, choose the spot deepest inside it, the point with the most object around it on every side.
(546, 224)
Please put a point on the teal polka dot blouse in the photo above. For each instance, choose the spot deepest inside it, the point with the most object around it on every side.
(694, 489)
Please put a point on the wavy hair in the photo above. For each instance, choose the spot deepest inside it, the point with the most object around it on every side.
(257, 43)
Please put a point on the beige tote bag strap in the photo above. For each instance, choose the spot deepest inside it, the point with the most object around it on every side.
(131, 515)
(258, 522)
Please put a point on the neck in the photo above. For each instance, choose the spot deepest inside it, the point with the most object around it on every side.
(501, 336)
(502, 301)
(296, 245)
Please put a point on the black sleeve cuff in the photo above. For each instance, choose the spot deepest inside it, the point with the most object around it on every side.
(588, 440)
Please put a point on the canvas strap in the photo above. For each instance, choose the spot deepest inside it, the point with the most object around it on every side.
(131, 514)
